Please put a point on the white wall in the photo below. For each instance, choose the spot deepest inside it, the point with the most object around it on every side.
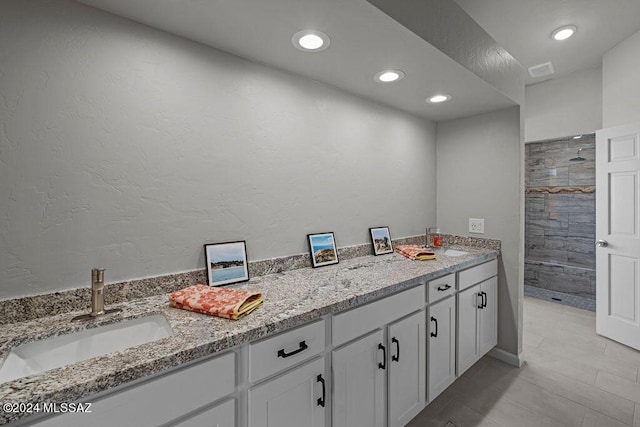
(479, 176)
(621, 83)
(565, 106)
(128, 148)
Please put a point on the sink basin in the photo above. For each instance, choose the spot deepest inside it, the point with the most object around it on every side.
(40, 356)
(451, 252)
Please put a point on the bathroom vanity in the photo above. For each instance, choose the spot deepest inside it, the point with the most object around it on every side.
(367, 342)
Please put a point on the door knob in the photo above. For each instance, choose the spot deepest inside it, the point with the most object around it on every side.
(602, 243)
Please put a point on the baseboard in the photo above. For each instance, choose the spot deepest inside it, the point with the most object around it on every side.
(505, 356)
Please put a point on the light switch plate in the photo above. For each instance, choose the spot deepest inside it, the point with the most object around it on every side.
(476, 225)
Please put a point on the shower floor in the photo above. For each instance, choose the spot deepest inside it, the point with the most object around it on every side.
(560, 298)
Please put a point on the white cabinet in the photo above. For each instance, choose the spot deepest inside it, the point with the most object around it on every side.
(488, 328)
(406, 366)
(477, 322)
(359, 373)
(221, 415)
(392, 353)
(441, 346)
(160, 399)
(296, 398)
(285, 350)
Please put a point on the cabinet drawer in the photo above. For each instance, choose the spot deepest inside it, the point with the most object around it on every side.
(441, 288)
(357, 322)
(282, 351)
(221, 415)
(477, 274)
(160, 399)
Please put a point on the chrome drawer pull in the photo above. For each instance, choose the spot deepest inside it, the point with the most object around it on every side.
(303, 346)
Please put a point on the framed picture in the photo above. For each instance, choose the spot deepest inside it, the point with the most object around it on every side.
(226, 263)
(381, 240)
(323, 249)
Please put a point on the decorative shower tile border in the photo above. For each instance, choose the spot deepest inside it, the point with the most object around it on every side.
(562, 190)
(36, 306)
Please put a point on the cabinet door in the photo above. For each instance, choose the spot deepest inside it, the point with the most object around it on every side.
(489, 315)
(441, 344)
(407, 362)
(296, 398)
(222, 415)
(467, 342)
(359, 371)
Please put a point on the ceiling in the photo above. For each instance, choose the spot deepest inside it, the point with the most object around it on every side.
(524, 27)
(365, 41)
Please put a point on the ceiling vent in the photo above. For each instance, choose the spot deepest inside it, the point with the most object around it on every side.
(541, 70)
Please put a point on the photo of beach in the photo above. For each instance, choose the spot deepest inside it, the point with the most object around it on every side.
(323, 249)
(226, 263)
(381, 240)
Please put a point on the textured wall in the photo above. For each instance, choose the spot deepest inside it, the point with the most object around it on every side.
(564, 106)
(479, 166)
(128, 148)
(621, 83)
(560, 221)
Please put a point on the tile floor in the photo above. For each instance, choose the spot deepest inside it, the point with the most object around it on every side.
(571, 377)
(560, 298)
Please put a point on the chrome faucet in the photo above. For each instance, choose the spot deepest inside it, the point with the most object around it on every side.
(97, 296)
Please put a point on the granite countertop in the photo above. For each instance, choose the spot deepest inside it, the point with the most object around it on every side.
(291, 298)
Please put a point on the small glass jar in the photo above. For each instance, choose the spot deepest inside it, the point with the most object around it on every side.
(435, 240)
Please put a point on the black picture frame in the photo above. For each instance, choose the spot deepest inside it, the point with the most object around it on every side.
(381, 240)
(226, 263)
(323, 249)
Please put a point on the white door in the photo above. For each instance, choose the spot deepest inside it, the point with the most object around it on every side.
(297, 398)
(467, 343)
(618, 234)
(488, 315)
(407, 365)
(359, 373)
(441, 336)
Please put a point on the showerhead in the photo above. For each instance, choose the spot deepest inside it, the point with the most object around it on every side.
(579, 158)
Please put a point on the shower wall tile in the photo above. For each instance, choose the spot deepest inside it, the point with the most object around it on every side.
(561, 278)
(560, 226)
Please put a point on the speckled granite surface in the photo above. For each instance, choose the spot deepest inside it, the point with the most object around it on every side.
(33, 307)
(291, 298)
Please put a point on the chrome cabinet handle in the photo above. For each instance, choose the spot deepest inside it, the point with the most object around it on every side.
(602, 244)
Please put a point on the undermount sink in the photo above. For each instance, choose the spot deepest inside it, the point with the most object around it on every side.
(40, 356)
(451, 252)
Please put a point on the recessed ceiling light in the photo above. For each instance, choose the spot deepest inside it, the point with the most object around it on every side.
(389, 76)
(311, 40)
(436, 99)
(577, 137)
(564, 33)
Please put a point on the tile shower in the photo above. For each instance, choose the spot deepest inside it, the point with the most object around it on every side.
(560, 220)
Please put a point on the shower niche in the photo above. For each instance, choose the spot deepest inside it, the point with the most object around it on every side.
(560, 217)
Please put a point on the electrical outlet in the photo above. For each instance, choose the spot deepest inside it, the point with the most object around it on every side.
(476, 225)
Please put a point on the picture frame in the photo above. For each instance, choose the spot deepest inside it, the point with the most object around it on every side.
(226, 263)
(381, 240)
(322, 247)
